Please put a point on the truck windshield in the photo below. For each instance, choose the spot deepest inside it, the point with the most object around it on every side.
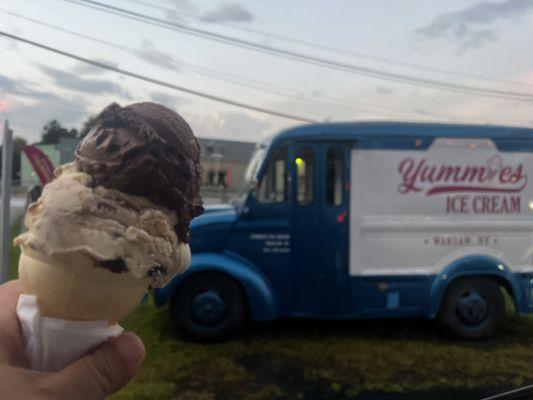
(250, 174)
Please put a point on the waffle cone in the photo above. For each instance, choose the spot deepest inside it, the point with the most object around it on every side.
(72, 287)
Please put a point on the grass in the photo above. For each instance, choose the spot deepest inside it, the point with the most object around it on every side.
(313, 359)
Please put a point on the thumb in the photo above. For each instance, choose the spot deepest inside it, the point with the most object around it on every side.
(103, 371)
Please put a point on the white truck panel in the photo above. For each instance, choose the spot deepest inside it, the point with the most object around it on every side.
(416, 211)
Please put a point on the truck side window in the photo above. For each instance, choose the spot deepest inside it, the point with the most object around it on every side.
(272, 187)
(305, 179)
(334, 178)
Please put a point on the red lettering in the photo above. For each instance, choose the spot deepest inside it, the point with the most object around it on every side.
(445, 173)
(515, 204)
(409, 175)
(496, 204)
(518, 175)
(486, 204)
(417, 175)
(505, 174)
(457, 204)
(472, 174)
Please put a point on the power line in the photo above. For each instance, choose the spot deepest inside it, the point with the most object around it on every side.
(158, 82)
(320, 46)
(250, 83)
(284, 91)
(351, 68)
(68, 31)
(231, 78)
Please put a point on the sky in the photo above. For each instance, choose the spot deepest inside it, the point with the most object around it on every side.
(474, 43)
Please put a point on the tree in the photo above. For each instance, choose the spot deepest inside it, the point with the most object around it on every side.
(87, 126)
(53, 131)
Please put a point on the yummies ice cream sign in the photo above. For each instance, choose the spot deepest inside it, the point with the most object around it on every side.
(482, 186)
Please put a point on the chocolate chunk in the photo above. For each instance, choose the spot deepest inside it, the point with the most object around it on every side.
(118, 266)
(157, 270)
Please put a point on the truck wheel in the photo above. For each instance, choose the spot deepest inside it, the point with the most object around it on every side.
(208, 306)
(472, 308)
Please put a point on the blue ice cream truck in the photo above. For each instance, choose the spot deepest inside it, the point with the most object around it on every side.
(368, 220)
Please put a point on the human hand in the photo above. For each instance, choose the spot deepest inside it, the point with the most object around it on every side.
(98, 374)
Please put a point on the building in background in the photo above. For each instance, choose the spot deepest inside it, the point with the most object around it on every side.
(59, 153)
(67, 147)
(224, 163)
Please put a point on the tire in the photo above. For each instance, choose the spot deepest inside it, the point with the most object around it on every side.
(208, 306)
(472, 308)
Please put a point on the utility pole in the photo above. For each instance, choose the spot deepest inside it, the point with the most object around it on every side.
(7, 163)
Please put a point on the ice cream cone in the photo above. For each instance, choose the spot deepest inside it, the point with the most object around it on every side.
(72, 287)
(111, 225)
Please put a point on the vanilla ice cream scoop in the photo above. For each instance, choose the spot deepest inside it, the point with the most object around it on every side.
(122, 233)
(92, 252)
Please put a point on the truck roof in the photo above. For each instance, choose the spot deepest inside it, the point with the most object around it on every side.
(397, 129)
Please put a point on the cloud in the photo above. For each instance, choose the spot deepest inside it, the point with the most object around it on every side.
(168, 100)
(317, 92)
(230, 12)
(29, 108)
(230, 125)
(73, 81)
(384, 90)
(15, 87)
(150, 54)
(83, 68)
(184, 5)
(28, 118)
(180, 7)
(5, 105)
(11, 44)
(476, 39)
(12, 87)
(473, 27)
(174, 16)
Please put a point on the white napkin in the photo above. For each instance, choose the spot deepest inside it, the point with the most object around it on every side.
(51, 343)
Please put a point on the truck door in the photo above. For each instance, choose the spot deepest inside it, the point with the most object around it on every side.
(335, 227)
(261, 234)
(318, 239)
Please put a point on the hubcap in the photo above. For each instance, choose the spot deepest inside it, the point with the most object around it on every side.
(471, 308)
(208, 307)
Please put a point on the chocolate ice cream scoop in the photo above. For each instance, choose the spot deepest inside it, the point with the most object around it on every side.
(148, 150)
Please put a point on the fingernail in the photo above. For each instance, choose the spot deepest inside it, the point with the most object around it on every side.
(131, 348)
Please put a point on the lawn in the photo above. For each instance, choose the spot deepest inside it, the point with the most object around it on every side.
(313, 359)
(306, 359)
